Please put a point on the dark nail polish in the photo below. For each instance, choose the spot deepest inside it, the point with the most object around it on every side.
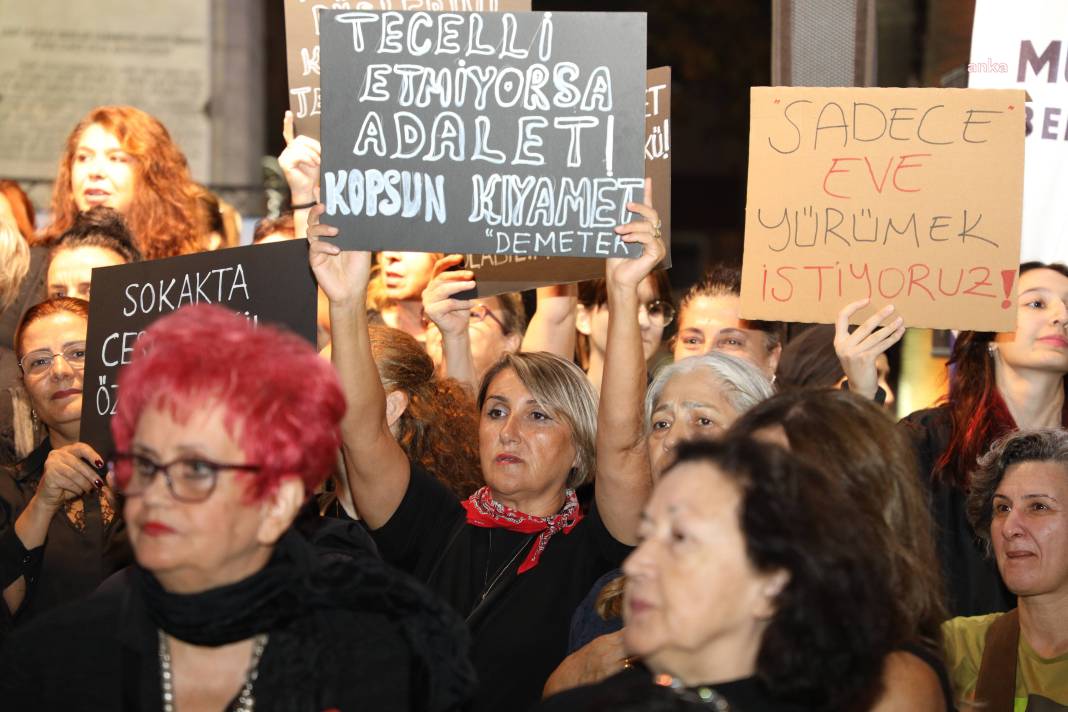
(99, 463)
(99, 484)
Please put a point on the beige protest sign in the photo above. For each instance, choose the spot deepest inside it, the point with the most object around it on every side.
(302, 44)
(908, 196)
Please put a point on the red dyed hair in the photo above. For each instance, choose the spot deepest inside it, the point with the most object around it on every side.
(978, 413)
(21, 208)
(282, 400)
(165, 217)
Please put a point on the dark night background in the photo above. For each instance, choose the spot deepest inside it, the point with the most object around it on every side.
(717, 50)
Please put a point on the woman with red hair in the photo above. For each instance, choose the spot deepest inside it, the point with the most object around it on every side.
(123, 158)
(228, 606)
(1001, 383)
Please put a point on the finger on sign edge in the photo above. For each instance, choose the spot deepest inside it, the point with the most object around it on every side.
(287, 127)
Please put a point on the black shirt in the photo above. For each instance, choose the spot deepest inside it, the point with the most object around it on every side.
(633, 690)
(972, 579)
(102, 653)
(520, 635)
(71, 563)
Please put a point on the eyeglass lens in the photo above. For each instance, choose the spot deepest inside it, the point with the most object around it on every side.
(38, 362)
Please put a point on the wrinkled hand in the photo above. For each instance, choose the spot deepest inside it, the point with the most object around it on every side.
(450, 315)
(602, 657)
(857, 352)
(342, 274)
(300, 161)
(623, 273)
(67, 475)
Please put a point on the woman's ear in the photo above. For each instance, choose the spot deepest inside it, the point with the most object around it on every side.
(396, 404)
(773, 359)
(583, 320)
(280, 509)
(771, 586)
(512, 342)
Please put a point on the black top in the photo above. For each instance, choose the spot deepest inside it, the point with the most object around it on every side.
(633, 690)
(102, 653)
(71, 563)
(586, 622)
(520, 635)
(972, 580)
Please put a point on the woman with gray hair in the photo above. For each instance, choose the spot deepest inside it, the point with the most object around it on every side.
(1018, 505)
(698, 398)
(518, 555)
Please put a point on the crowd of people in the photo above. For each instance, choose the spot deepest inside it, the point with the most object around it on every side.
(602, 498)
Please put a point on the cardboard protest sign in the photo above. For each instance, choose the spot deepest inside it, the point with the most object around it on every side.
(270, 283)
(907, 196)
(495, 274)
(1024, 49)
(302, 45)
(488, 133)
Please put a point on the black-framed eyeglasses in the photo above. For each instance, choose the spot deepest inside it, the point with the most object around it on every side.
(189, 479)
(38, 363)
(660, 313)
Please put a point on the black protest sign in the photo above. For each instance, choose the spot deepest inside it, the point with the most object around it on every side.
(495, 274)
(270, 283)
(491, 133)
(302, 45)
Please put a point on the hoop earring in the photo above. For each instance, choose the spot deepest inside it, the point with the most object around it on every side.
(34, 419)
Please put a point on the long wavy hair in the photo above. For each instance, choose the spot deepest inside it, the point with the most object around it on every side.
(835, 620)
(165, 217)
(855, 443)
(439, 428)
(978, 413)
(21, 208)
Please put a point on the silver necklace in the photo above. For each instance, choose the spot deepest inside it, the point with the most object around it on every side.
(245, 701)
(504, 569)
(702, 694)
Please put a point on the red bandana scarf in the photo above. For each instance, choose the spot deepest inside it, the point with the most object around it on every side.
(482, 511)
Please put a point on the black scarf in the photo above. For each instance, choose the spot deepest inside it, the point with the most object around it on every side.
(302, 579)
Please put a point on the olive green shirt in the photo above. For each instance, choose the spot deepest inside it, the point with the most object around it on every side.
(1041, 683)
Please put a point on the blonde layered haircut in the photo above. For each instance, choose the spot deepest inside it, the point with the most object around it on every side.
(561, 388)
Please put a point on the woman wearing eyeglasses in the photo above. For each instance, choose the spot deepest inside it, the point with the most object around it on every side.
(469, 335)
(228, 607)
(591, 321)
(59, 536)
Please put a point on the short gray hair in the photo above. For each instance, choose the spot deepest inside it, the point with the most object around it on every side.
(1038, 445)
(744, 384)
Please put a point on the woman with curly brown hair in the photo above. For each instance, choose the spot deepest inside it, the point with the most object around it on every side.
(123, 158)
(433, 419)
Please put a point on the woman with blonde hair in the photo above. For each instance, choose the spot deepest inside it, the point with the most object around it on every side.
(14, 264)
(518, 555)
(124, 158)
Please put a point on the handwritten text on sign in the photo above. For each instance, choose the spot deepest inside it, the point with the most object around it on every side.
(513, 273)
(484, 133)
(302, 44)
(266, 283)
(906, 196)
